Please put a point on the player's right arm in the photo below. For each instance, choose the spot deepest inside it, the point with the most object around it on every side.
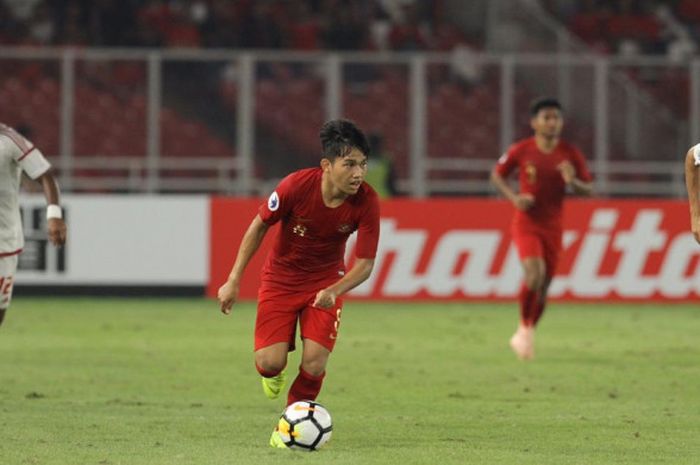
(253, 237)
(278, 206)
(692, 165)
(505, 166)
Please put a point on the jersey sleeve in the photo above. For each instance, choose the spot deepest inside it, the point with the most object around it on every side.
(579, 162)
(34, 163)
(696, 155)
(368, 230)
(279, 204)
(23, 152)
(508, 162)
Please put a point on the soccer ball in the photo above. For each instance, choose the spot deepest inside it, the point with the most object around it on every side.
(305, 425)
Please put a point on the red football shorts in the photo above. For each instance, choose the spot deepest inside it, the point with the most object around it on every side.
(279, 310)
(540, 244)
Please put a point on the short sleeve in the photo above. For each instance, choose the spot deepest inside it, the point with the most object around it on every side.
(579, 162)
(368, 230)
(23, 152)
(507, 162)
(34, 163)
(279, 203)
(696, 155)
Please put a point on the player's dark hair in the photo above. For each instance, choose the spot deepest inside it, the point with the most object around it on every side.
(542, 103)
(340, 136)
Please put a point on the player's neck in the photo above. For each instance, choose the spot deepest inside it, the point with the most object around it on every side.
(331, 195)
(546, 144)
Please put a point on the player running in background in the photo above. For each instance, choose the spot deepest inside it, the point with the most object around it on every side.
(304, 276)
(17, 154)
(692, 184)
(547, 166)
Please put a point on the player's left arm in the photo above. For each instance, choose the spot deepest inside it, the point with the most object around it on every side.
(55, 224)
(579, 187)
(35, 165)
(575, 174)
(365, 251)
(360, 271)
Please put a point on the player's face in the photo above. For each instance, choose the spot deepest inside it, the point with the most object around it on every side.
(548, 122)
(348, 172)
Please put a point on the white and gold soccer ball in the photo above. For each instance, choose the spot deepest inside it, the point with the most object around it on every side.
(305, 425)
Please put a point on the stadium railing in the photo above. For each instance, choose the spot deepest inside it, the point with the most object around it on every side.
(153, 120)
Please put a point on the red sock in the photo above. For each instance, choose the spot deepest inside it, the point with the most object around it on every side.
(305, 387)
(528, 300)
(267, 374)
(538, 310)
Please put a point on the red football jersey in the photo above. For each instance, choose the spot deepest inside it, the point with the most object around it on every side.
(310, 248)
(539, 176)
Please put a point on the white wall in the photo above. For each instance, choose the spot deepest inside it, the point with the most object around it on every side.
(125, 240)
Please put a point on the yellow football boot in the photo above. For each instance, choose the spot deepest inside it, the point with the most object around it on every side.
(272, 387)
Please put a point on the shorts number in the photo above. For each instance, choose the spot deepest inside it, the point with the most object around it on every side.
(334, 334)
(5, 285)
(337, 319)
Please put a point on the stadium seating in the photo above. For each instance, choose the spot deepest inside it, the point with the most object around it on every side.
(463, 122)
(105, 124)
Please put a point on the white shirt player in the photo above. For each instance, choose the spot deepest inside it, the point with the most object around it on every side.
(17, 154)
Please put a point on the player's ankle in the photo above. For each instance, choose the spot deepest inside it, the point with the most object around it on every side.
(269, 371)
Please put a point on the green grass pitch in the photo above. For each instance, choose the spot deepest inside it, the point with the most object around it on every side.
(167, 381)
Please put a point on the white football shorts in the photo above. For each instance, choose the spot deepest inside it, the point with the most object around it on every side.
(8, 268)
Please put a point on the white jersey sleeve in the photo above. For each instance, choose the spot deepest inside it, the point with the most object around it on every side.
(28, 157)
(696, 154)
(34, 163)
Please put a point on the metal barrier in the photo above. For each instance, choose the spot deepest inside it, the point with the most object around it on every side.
(236, 121)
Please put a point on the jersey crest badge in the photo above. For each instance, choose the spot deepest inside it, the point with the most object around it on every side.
(273, 202)
(344, 228)
(531, 173)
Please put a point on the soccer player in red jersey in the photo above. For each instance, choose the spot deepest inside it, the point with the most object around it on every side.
(547, 166)
(692, 184)
(304, 276)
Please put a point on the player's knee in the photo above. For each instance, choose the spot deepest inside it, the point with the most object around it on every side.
(269, 365)
(314, 366)
(533, 279)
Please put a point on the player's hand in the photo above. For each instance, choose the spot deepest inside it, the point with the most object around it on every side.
(567, 170)
(324, 299)
(228, 294)
(695, 227)
(524, 201)
(57, 231)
